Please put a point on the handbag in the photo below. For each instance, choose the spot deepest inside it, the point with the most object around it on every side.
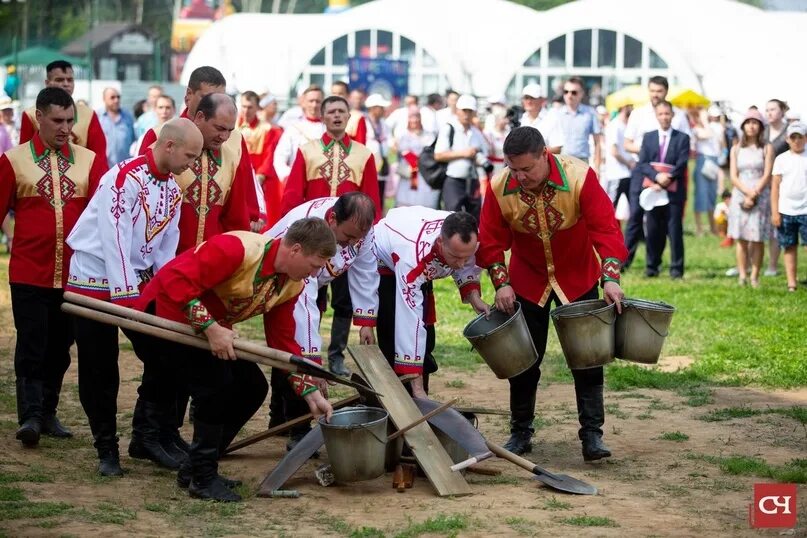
(433, 171)
(710, 169)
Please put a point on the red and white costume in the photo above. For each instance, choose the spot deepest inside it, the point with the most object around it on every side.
(48, 190)
(129, 231)
(562, 240)
(86, 132)
(261, 138)
(358, 261)
(357, 127)
(234, 176)
(405, 245)
(229, 279)
(295, 136)
(327, 167)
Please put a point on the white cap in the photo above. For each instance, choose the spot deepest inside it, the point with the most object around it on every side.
(267, 100)
(651, 198)
(466, 102)
(533, 90)
(497, 98)
(714, 111)
(797, 127)
(376, 99)
(792, 115)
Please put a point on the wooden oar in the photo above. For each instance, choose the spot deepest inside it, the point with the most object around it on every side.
(251, 440)
(303, 366)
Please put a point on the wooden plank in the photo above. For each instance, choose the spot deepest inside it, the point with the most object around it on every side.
(430, 454)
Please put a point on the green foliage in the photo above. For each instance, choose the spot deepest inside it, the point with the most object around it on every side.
(11, 494)
(555, 504)
(730, 413)
(676, 436)
(589, 521)
(111, 513)
(794, 471)
(31, 510)
(447, 525)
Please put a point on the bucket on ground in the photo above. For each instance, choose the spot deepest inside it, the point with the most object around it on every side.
(641, 330)
(356, 440)
(586, 332)
(503, 341)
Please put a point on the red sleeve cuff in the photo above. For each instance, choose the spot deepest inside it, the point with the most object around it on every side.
(498, 275)
(128, 302)
(198, 316)
(301, 384)
(364, 320)
(467, 288)
(403, 369)
(611, 270)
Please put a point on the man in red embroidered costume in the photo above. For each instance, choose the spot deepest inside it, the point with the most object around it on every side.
(328, 167)
(261, 138)
(204, 81)
(559, 226)
(86, 131)
(226, 280)
(47, 181)
(129, 230)
(414, 246)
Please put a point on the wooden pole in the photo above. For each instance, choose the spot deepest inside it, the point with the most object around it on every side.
(422, 419)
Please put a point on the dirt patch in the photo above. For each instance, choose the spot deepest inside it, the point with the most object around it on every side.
(652, 485)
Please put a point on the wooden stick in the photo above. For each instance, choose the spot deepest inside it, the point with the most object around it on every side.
(285, 426)
(422, 419)
(470, 461)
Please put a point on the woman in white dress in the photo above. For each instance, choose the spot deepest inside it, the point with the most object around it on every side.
(412, 188)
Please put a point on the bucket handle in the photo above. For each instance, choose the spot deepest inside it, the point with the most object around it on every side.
(596, 315)
(639, 311)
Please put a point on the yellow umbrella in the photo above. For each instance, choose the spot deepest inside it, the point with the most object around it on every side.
(629, 95)
(686, 98)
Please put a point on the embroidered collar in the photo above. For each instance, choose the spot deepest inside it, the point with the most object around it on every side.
(39, 150)
(327, 142)
(214, 154)
(153, 169)
(267, 266)
(557, 178)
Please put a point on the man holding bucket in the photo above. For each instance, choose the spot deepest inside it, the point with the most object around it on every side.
(551, 213)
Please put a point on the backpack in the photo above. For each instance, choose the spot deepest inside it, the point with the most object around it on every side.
(434, 172)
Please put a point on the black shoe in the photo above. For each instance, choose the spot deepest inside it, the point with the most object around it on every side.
(676, 276)
(52, 427)
(295, 438)
(184, 478)
(337, 366)
(109, 462)
(650, 273)
(173, 443)
(594, 448)
(204, 465)
(29, 433)
(519, 443)
(145, 443)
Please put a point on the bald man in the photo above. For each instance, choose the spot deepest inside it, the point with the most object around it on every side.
(129, 230)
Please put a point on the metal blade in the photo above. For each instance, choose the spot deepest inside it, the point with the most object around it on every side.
(292, 462)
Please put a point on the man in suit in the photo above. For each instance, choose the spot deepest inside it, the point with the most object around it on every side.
(663, 146)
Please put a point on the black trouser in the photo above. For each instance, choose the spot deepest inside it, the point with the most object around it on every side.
(634, 232)
(385, 326)
(622, 188)
(342, 308)
(286, 402)
(460, 194)
(99, 377)
(42, 354)
(524, 386)
(662, 222)
(225, 393)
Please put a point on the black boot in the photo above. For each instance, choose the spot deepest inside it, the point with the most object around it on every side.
(522, 413)
(204, 458)
(185, 474)
(170, 438)
(106, 443)
(29, 433)
(591, 413)
(340, 331)
(53, 427)
(145, 443)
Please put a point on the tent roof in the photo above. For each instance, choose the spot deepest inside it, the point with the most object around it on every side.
(41, 56)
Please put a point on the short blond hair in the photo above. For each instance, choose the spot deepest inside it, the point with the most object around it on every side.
(314, 235)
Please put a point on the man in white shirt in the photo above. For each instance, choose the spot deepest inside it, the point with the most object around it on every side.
(535, 115)
(789, 198)
(463, 147)
(618, 161)
(428, 113)
(643, 119)
(398, 120)
(298, 133)
(446, 114)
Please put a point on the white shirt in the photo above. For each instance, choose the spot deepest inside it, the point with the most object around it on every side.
(130, 226)
(463, 139)
(793, 187)
(615, 136)
(295, 135)
(549, 126)
(358, 261)
(444, 115)
(398, 120)
(710, 144)
(405, 245)
(663, 140)
(643, 120)
(293, 114)
(428, 118)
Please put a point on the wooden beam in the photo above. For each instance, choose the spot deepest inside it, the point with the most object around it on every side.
(430, 454)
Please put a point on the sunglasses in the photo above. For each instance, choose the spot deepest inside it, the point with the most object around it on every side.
(573, 92)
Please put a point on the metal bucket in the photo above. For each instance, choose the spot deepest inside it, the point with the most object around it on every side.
(586, 332)
(503, 341)
(356, 440)
(641, 330)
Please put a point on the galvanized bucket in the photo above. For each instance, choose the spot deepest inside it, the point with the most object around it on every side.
(356, 440)
(586, 332)
(641, 330)
(503, 341)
